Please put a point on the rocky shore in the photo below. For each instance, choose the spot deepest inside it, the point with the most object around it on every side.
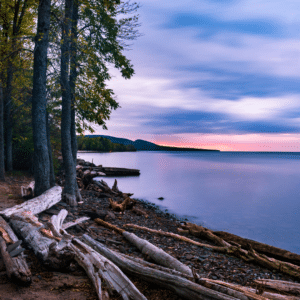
(75, 284)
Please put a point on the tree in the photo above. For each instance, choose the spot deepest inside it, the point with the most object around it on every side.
(39, 123)
(66, 114)
(16, 27)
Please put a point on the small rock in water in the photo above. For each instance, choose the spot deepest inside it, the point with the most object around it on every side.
(161, 198)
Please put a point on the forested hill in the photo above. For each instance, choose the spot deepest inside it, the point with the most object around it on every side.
(141, 145)
(97, 143)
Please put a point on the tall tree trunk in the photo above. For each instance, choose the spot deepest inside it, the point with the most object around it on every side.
(52, 175)
(66, 118)
(8, 118)
(39, 123)
(2, 166)
(73, 77)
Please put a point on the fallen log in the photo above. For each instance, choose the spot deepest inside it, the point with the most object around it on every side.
(181, 286)
(36, 205)
(272, 251)
(157, 254)
(55, 254)
(16, 270)
(16, 267)
(279, 285)
(97, 267)
(230, 289)
(205, 233)
(247, 255)
(262, 292)
(178, 237)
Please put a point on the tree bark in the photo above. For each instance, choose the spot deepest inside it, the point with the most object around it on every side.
(72, 82)
(8, 118)
(39, 122)
(52, 175)
(2, 155)
(68, 160)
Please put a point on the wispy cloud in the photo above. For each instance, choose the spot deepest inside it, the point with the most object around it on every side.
(212, 67)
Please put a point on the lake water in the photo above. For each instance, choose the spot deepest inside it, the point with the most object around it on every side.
(254, 195)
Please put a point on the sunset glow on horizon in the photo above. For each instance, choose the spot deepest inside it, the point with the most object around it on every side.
(251, 142)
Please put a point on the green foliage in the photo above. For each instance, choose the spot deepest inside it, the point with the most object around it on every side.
(102, 31)
(101, 144)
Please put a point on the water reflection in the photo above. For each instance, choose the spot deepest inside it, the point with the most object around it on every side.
(255, 195)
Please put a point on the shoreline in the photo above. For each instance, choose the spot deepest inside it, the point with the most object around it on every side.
(206, 262)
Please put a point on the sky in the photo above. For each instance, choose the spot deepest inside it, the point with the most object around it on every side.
(213, 74)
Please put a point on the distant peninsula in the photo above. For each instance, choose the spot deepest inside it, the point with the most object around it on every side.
(129, 145)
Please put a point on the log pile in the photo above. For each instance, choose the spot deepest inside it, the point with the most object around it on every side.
(108, 269)
(86, 171)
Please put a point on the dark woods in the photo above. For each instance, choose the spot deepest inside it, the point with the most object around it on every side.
(52, 80)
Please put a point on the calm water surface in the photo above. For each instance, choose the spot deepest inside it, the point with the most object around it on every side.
(254, 195)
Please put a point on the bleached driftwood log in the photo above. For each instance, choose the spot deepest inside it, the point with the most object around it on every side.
(180, 285)
(96, 266)
(16, 267)
(205, 233)
(178, 237)
(279, 285)
(36, 205)
(76, 222)
(53, 251)
(157, 254)
(28, 191)
(231, 289)
(236, 250)
(269, 250)
(261, 292)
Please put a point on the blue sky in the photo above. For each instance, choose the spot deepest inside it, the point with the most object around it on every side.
(213, 74)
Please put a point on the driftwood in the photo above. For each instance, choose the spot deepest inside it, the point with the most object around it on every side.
(119, 207)
(115, 186)
(279, 285)
(157, 254)
(247, 255)
(231, 289)
(76, 222)
(96, 266)
(53, 251)
(272, 251)
(205, 233)
(28, 191)
(177, 236)
(180, 285)
(12, 256)
(36, 205)
(261, 292)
